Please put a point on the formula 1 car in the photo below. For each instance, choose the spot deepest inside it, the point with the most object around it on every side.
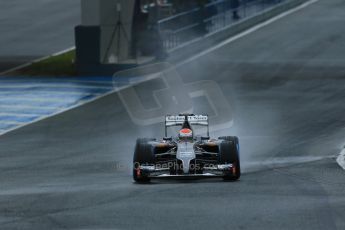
(186, 155)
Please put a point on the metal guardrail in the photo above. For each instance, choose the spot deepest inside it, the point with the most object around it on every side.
(188, 26)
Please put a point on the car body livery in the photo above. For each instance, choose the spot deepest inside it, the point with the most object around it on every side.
(187, 154)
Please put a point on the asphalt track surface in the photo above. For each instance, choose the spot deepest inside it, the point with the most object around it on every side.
(33, 29)
(285, 84)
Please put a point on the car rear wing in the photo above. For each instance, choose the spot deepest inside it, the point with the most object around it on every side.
(172, 120)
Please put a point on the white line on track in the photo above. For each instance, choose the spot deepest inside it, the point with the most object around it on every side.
(5, 79)
(228, 41)
(32, 107)
(61, 85)
(249, 31)
(19, 114)
(27, 100)
(341, 159)
(49, 93)
(36, 60)
(12, 123)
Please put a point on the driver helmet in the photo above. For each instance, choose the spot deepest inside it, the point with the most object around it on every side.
(186, 132)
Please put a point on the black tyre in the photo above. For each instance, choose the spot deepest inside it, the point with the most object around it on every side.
(230, 138)
(143, 155)
(229, 154)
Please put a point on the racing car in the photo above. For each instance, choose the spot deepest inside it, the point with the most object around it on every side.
(186, 154)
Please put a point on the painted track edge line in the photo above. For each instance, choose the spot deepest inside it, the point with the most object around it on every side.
(35, 61)
(59, 112)
(249, 31)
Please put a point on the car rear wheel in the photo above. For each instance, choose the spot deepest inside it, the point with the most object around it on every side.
(230, 138)
(143, 155)
(229, 154)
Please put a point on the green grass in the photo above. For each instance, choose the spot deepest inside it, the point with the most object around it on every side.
(60, 65)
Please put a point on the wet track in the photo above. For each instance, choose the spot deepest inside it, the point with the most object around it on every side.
(285, 85)
(32, 30)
